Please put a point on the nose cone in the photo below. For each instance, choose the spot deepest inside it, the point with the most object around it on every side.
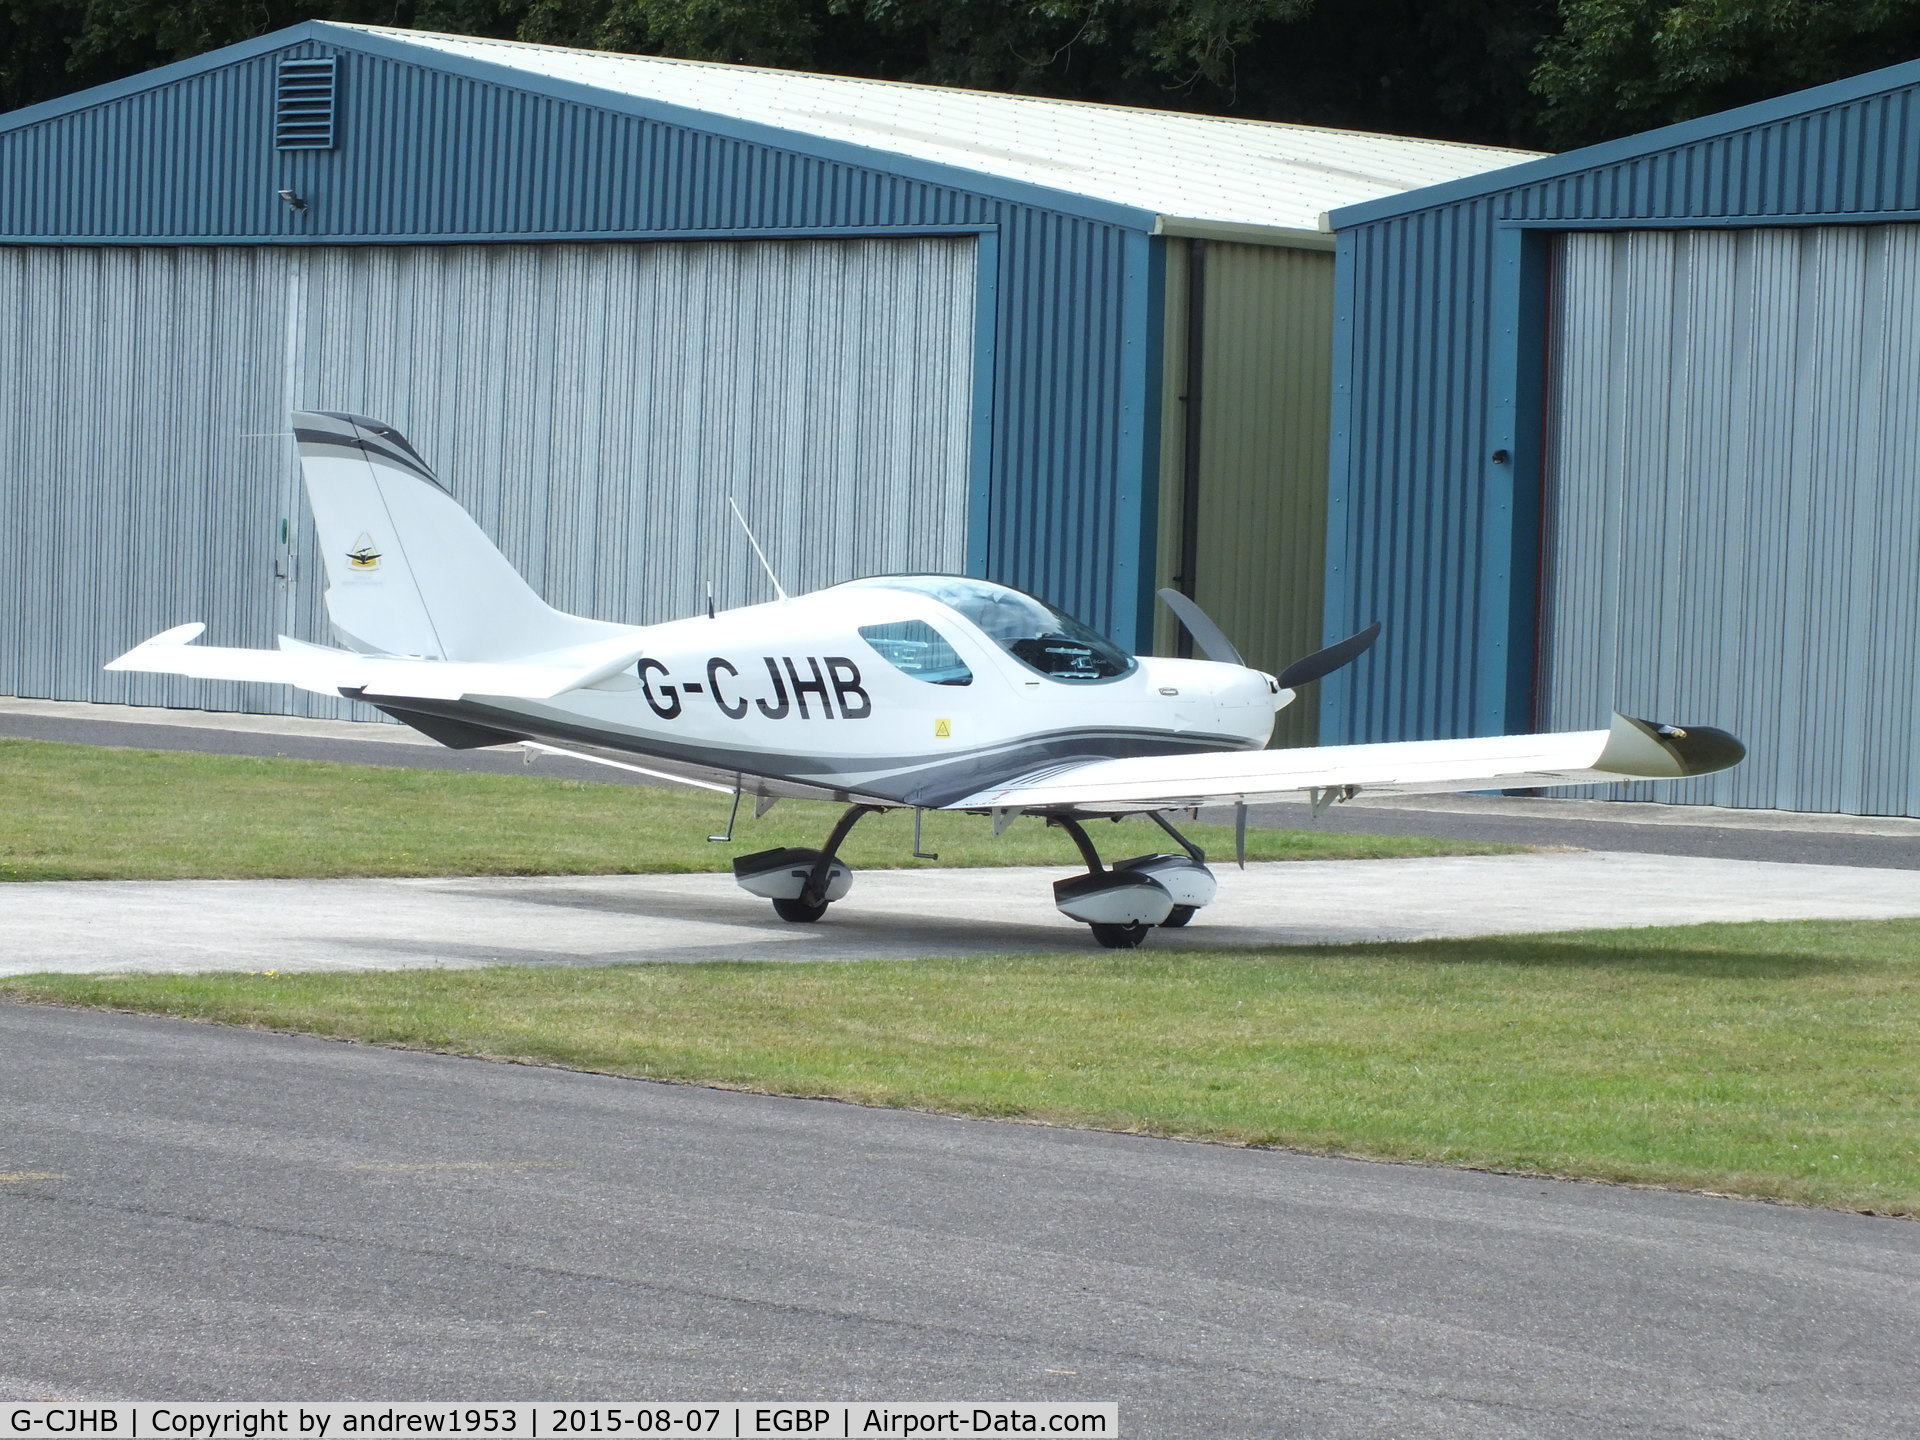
(1237, 687)
(1269, 691)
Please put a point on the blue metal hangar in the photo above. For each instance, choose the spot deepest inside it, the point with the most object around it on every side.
(1639, 426)
(908, 327)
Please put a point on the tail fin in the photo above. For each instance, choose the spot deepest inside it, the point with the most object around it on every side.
(408, 571)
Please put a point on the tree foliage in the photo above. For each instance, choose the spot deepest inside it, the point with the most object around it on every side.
(1514, 72)
(1619, 66)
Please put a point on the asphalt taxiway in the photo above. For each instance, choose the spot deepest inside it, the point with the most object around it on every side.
(196, 1212)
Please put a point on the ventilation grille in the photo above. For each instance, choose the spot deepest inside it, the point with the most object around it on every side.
(303, 104)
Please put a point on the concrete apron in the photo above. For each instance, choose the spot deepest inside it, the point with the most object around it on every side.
(187, 925)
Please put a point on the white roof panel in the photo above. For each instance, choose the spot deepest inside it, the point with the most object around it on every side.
(1192, 168)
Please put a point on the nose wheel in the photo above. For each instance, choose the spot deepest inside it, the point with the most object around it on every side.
(1122, 937)
(800, 912)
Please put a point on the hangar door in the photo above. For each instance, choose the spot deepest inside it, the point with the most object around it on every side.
(594, 406)
(1247, 397)
(1733, 503)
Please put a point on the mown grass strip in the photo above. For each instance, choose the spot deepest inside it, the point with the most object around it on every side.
(77, 812)
(1765, 1060)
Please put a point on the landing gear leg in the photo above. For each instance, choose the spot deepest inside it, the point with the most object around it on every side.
(1081, 839)
(1180, 914)
(1199, 855)
(811, 903)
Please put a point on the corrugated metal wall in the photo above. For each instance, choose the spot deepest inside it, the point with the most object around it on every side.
(592, 405)
(1734, 524)
(1440, 358)
(1852, 158)
(1415, 498)
(423, 153)
(426, 154)
(1065, 413)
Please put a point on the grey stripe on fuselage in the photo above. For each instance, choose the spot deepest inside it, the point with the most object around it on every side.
(923, 780)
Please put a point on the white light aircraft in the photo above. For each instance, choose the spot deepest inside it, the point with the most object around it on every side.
(922, 691)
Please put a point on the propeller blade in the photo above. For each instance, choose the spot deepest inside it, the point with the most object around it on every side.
(1208, 636)
(1309, 668)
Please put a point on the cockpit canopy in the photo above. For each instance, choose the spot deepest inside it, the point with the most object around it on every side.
(1040, 637)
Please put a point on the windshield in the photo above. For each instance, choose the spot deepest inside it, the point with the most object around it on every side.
(1037, 635)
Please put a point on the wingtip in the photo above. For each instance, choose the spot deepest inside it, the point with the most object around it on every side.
(1647, 749)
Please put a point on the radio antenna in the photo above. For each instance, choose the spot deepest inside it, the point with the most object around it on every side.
(778, 588)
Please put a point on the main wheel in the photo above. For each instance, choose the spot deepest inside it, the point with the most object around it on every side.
(1120, 937)
(801, 912)
(1180, 915)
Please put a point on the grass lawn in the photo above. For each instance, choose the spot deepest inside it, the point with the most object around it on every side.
(1768, 1060)
(77, 812)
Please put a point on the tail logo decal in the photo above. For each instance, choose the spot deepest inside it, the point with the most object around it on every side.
(363, 556)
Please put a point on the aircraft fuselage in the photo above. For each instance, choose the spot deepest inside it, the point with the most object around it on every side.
(794, 689)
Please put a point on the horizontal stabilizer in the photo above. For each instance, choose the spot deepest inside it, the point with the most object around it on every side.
(1630, 750)
(327, 671)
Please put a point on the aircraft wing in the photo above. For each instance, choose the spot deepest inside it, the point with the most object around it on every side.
(1630, 750)
(327, 671)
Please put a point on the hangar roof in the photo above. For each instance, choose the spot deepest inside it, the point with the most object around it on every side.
(1200, 174)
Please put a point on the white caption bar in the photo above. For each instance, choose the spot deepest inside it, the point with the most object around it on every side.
(833, 1420)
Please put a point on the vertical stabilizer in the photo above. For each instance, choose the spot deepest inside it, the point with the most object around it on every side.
(408, 570)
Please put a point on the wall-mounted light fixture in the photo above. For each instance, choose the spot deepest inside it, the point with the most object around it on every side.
(294, 202)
